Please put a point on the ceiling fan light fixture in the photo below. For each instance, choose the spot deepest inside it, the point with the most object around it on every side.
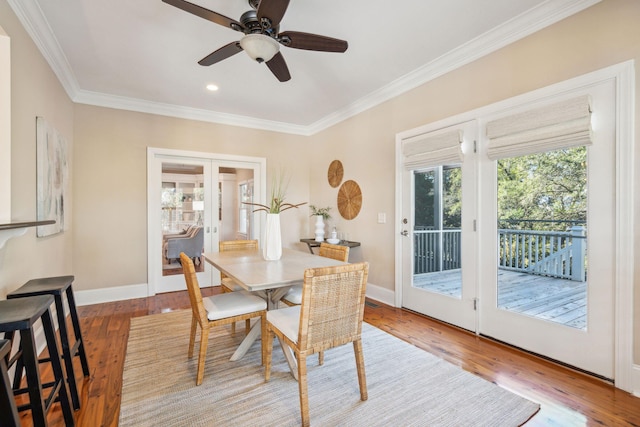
(259, 47)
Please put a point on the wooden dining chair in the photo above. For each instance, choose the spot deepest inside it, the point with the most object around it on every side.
(217, 310)
(226, 283)
(329, 316)
(327, 250)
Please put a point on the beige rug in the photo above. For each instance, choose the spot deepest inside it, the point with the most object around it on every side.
(407, 386)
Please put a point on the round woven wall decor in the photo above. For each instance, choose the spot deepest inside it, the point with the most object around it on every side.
(349, 199)
(335, 173)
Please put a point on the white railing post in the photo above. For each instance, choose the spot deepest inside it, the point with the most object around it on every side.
(578, 252)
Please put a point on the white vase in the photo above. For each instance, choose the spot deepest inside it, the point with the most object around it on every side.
(272, 242)
(319, 228)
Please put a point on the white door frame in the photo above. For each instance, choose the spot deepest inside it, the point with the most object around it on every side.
(155, 157)
(624, 75)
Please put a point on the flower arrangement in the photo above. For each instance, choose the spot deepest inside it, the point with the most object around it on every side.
(323, 212)
(278, 193)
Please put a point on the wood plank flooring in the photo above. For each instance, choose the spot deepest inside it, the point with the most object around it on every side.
(567, 398)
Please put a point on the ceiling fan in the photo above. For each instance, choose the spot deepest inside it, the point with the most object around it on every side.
(262, 38)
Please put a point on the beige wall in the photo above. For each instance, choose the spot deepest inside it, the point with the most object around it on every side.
(107, 244)
(35, 91)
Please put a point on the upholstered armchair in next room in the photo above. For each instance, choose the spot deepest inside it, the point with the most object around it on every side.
(191, 244)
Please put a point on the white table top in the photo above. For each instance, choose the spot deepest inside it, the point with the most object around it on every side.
(253, 273)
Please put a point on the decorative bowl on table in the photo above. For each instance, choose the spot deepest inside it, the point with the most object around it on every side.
(333, 241)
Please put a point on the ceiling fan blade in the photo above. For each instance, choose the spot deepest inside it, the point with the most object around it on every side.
(273, 10)
(223, 53)
(206, 14)
(279, 68)
(298, 40)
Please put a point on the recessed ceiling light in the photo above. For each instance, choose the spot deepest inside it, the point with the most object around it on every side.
(212, 87)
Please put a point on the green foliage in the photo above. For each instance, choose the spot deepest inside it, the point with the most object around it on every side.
(427, 210)
(550, 186)
(324, 212)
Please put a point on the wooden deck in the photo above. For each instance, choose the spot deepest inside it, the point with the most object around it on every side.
(556, 300)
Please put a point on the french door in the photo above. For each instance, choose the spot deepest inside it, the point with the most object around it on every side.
(196, 202)
(531, 260)
(439, 208)
(547, 285)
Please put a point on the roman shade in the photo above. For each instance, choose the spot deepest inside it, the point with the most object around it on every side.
(432, 150)
(561, 125)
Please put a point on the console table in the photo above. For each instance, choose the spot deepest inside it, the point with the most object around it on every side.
(311, 243)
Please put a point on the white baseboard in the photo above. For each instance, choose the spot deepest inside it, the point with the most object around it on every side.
(119, 293)
(381, 294)
(636, 380)
(116, 293)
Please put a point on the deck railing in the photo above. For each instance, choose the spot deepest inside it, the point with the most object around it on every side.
(548, 253)
(436, 250)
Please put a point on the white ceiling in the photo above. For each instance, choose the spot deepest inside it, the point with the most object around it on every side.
(142, 55)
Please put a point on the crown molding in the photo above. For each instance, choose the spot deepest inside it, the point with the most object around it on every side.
(535, 19)
(171, 110)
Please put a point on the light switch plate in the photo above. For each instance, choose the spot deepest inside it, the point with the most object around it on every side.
(382, 218)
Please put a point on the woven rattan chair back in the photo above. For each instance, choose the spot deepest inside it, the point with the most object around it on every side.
(234, 245)
(332, 306)
(341, 253)
(237, 245)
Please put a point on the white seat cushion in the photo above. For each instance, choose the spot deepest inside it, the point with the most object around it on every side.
(294, 296)
(229, 283)
(286, 320)
(232, 304)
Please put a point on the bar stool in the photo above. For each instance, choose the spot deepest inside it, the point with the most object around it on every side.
(20, 315)
(7, 402)
(59, 286)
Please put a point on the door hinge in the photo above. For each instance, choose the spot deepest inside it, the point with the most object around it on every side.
(475, 304)
(474, 225)
(475, 146)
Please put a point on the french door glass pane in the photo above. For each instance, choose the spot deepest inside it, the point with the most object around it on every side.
(542, 241)
(182, 202)
(437, 230)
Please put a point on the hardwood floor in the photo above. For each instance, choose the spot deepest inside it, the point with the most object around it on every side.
(567, 398)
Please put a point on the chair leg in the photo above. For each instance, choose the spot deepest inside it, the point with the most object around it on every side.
(362, 378)
(192, 336)
(303, 387)
(204, 340)
(267, 345)
(321, 357)
(263, 335)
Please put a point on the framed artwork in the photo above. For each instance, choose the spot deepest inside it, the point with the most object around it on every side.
(52, 178)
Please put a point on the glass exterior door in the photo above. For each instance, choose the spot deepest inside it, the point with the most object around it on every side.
(438, 238)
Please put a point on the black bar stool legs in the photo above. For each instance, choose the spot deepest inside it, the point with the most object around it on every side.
(8, 408)
(59, 287)
(20, 315)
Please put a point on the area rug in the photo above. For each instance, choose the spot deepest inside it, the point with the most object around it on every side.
(407, 386)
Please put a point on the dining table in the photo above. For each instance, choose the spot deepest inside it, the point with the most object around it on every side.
(271, 279)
